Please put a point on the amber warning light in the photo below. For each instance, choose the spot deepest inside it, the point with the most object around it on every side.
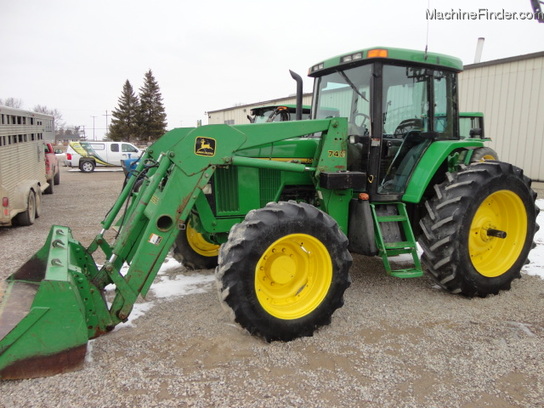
(377, 53)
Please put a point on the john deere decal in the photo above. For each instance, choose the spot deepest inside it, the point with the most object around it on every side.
(205, 146)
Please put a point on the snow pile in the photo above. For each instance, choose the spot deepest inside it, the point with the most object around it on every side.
(167, 285)
(536, 256)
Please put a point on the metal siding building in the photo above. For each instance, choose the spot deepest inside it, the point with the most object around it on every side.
(237, 115)
(510, 93)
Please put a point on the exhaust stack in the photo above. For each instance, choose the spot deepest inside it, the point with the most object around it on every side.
(479, 50)
(296, 77)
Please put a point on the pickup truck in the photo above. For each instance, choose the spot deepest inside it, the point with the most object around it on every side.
(52, 168)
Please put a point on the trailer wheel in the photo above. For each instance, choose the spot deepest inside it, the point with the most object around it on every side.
(479, 229)
(38, 196)
(484, 154)
(193, 251)
(28, 216)
(284, 270)
(56, 179)
(50, 189)
(86, 166)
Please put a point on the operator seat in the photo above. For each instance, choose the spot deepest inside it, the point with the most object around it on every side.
(414, 142)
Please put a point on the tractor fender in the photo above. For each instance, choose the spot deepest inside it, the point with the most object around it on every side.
(437, 153)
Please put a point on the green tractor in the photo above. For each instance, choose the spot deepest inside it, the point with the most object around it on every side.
(380, 166)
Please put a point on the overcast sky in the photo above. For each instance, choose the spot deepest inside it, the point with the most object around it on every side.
(75, 56)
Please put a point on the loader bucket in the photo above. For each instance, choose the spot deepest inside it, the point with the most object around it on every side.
(43, 324)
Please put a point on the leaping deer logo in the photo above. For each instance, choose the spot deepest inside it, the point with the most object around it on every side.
(205, 146)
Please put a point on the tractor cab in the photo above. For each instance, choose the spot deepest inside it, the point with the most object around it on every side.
(397, 103)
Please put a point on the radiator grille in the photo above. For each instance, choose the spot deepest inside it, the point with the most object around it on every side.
(270, 182)
(226, 183)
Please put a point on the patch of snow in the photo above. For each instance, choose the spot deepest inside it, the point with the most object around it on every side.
(167, 285)
(536, 256)
(182, 285)
(138, 310)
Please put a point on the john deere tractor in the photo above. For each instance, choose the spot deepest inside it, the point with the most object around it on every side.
(380, 166)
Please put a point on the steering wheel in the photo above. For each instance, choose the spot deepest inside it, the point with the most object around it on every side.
(359, 123)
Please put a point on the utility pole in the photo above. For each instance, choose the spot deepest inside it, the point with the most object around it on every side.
(106, 115)
(93, 116)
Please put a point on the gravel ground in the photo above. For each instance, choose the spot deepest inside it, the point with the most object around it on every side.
(395, 343)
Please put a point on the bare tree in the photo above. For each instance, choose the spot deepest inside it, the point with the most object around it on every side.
(59, 123)
(12, 102)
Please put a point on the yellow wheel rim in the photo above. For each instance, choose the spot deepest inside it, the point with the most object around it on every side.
(502, 211)
(293, 276)
(487, 157)
(199, 244)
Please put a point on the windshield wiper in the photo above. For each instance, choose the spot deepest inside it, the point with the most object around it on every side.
(352, 85)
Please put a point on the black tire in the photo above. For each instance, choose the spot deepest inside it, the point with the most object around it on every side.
(251, 276)
(87, 166)
(479, 229)
(483, 154)
(28, 216)
(38, 197)
(50, 189)
(193, 251)
(56, 179)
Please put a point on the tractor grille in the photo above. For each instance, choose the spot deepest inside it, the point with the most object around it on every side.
(270, 183)
(226, 182)
(255, 187)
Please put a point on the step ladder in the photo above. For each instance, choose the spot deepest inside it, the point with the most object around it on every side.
(396, 213)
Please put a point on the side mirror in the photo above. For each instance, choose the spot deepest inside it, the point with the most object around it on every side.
(476, 132)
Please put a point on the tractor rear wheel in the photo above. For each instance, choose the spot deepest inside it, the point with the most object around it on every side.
(284, 270)
(193, 251)
(483, 154)
(479, 229)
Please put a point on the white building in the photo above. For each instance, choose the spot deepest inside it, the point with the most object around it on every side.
(510, 93)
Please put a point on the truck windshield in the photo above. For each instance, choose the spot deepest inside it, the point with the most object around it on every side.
(346, 94)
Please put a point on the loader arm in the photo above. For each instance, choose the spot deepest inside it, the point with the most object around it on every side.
(174, 171)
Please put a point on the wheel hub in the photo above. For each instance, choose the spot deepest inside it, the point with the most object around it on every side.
(293, 276)
(497, 233)
(282, 269)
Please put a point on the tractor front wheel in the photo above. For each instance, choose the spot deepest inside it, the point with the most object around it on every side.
(284, 270)
(193, 251)
(479, 229)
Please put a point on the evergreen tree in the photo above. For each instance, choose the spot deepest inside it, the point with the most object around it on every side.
(152, 113)
(124, 125)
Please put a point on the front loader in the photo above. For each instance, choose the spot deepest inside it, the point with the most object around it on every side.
(278, 208)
